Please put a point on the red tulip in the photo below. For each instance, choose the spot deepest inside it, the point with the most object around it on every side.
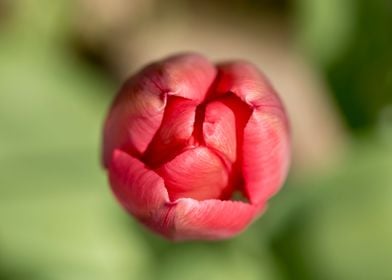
(184, 136)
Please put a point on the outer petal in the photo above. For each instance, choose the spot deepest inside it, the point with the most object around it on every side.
(186, 75)
(133, 121)
(139, 190)
(211, 219)
(138, 109)
(248, 83)
(266, 148)
(266, 154)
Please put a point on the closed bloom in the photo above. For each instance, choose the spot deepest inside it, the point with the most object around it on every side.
(184, 138)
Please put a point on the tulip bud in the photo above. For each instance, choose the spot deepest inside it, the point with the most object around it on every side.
(184, 136)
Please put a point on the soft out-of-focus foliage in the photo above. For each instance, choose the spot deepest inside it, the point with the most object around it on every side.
(58, 219)
(343, 230)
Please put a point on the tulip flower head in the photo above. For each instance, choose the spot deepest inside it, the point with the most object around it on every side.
(184, 137)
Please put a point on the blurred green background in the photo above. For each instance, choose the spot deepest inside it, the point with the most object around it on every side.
(61, 63)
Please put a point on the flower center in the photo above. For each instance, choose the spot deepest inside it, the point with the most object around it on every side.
(195, 149)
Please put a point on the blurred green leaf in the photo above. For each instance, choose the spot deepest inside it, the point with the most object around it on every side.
(58, 219)
(344, 231)
(69, 235)
(325, 27)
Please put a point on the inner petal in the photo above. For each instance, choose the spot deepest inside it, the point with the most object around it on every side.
(219, 129)
(228, 116)
(174, 133)
(196, 173)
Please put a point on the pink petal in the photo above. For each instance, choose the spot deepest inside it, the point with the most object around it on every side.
(197, 173)
(265, 147)
(175, 131)
(185, 75)
(133, 121)
(219, 129)
(266, 155)
(248, 83)
(212, 219)
(139, 190)
(138, 109)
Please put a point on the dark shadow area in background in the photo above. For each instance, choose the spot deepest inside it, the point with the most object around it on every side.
(94, 57)
(361, 78)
